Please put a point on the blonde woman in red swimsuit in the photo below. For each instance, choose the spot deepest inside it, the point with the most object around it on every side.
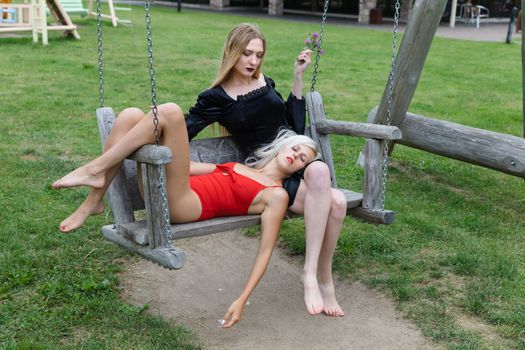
(215, 190)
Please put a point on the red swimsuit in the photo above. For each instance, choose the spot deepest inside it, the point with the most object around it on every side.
(225, 192)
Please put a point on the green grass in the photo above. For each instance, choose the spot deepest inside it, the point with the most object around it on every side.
(454, 261)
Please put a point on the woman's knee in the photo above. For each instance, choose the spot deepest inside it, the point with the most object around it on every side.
(317, 174)
(171, 112)
(130, 115)
(339, 204)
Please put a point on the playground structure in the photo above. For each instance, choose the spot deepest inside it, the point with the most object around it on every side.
(502, 152)
(390, 122)
(33, 17)
(115, 20)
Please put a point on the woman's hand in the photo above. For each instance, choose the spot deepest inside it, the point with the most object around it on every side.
(302, 61)
(233, 315)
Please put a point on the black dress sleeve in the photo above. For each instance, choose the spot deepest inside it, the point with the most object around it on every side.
(296, 114)
(206, 111)
(295, 111)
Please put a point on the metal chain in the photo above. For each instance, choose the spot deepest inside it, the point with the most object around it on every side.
(152, 73)
(318, 55)
(388, 120)
(162, 185)
(165, 212)
(100, 61)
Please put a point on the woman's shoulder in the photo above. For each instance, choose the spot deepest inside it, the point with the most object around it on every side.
(213, 95)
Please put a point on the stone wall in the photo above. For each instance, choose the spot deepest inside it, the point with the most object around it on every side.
(219, 4)
(364, 10)
(275, 7)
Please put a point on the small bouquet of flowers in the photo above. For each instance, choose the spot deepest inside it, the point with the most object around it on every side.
(312, 43)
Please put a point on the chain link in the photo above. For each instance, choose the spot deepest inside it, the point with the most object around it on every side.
(162, 189)
(390, 92)
(318, 54)
(152, 73)
(100, 61)
(165, 212)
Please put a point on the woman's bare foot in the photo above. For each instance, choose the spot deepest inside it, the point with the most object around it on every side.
(312, 295)
(80, 215)
(330, 305)
(82, 176)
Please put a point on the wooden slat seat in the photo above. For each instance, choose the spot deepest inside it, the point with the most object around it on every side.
(138, 230)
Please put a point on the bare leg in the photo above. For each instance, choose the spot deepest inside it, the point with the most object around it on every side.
(184, 205)
(173, 134)
(314, 200)
(93, 204)
(324, 210)
(333, 229)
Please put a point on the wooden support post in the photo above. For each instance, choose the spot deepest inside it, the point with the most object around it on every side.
(373, 183)
(32, 17)
(112, 14)
(315, 107)
(43, 20)
(154, 205)
(410, 59)
(489, 149)
(117, 194)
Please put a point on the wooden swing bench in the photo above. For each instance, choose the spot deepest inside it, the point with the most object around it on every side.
(151, 238)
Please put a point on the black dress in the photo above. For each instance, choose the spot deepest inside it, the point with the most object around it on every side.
(253, 119)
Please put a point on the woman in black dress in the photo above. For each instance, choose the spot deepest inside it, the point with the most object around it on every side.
(245, 103)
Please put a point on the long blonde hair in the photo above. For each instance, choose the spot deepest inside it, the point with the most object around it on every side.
(234, 46)
(285, 138)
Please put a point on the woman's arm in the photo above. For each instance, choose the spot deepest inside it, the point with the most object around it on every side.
(207, 110)
(271, 218)
(198, 168)
(301, 63)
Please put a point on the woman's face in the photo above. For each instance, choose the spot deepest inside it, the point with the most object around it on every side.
(250, 59)
(295, 158)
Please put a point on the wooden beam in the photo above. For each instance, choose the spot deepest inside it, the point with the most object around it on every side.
(489, 149)
(373, 185)
(373, 216)
(168, 257)
(410, 59)
(315, 108)
(372, 131)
